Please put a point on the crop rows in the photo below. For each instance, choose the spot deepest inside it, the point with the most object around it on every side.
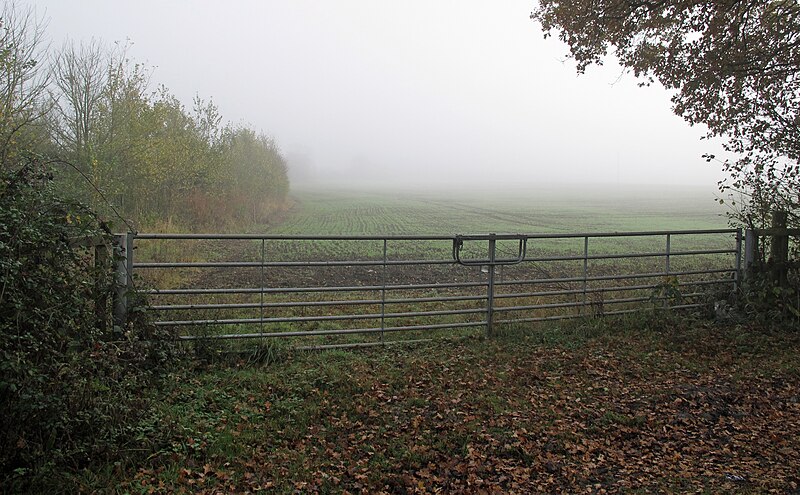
(329, 213)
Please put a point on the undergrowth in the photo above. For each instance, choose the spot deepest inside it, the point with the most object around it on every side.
(72, 384)
(239, 419)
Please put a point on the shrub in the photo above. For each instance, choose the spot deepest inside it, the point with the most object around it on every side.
(763, 299)
(68, 386)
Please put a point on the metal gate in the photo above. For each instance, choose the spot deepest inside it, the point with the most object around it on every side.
(331, 291)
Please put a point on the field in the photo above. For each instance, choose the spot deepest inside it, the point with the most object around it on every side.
(656, 401)
(426, 288)
(322, 211)
(319, 212)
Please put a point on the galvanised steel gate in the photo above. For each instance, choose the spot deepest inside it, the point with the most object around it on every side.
(332, 291)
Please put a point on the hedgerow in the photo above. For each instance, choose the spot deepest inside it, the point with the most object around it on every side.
(70, 384)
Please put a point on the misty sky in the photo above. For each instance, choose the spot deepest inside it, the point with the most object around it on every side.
(403, 92)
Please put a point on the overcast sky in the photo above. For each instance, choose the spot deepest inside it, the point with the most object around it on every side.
(412, 92)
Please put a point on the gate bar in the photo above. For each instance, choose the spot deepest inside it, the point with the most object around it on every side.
(476, 237)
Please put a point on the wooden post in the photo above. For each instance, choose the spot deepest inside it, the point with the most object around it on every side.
(750, 252)
(779, 250)
(101, 264)
(737, 274)
(123, 257)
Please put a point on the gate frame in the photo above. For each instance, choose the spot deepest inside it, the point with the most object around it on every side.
(125, 266)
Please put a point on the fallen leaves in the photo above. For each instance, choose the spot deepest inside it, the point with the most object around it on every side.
(520, 419)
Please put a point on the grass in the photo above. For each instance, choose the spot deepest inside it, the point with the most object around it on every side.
(646, 402)
(340, 212)
(528, 211)
(319, 212)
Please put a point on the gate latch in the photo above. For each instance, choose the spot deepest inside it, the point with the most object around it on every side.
(492, 260)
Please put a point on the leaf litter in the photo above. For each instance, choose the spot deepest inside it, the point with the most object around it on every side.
(508, 416)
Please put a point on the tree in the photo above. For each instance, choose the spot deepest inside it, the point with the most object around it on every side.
(72, 387)
(734, 66)
(22, 81)
(257, 182)
(207, 119)
(80, 75)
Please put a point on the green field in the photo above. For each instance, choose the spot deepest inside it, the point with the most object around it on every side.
(388, 212)
(396, 213)
(518, 210)
(336, 211)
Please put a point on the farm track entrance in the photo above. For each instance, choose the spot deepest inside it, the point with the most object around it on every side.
(332, 291)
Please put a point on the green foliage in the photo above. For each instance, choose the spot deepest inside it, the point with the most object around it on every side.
(667, 293)
(155, 159)
(67, 388)
(258, 183)
(762, 298)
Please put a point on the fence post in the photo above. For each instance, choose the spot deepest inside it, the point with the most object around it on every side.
(737, 263)
(490, 292)
(383, 289)
(750, 252)
(779, 249)
(123, 256)
(101, 265)
(585, 272)
(261, 292)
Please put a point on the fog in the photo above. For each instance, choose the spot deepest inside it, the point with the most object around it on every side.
(412, 93)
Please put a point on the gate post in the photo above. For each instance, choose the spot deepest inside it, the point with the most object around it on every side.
(737, 263)
(101, 266)
(123, 282)
(490, 291)
(750, 252)
(779, 249)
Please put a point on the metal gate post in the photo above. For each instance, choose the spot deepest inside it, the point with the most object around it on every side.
(261, 297)
(585, 272)
(383, 289)
(123, 272)
(779, 249)
(490, 292)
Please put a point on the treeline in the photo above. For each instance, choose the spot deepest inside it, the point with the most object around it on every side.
(117, 142)
(71, 383)
(82, 137)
